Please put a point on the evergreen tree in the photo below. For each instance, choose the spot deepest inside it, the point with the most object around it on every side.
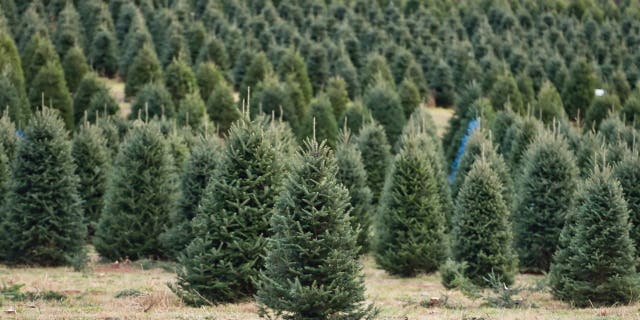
(318, 67)
(144, 69)
(5, 180)
(221, 108)
(38, 52)
(231, 224)
(69, 31)
(376, 155)
(376, 67)
(153, 101)
(482, 233)
(137, 38)
(8, 136)
(385, 106)
(103, 52)
(89, 86)
(257, 71)
(504, 91)
(595, 263)
(92, 160)
(409, 97)
(600, 109)
(519, 137)
(43, 177)
(11, 102)
(548, 105)
(321, 121)
(544, 196)
(355, 116)
(353, 176)
(11, 64)
(208, 76)
(311, 268)
(631, 108)
(411, 224)
(102, 104)
(192, 111)
(75, 67)
(293, 63)
(579, 88)
(338, 96)
(214, 51)
(272, 97)
(628, 173)
(199, 171)
(179, 79)
(139, 197)
(442, 83)
(49, 84)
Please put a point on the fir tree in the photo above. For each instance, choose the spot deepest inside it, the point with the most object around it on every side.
(137, 38)
(102, 104)
(595, 263)
(179, 80)
(579, 88)
(385, 106)
(92, 160)
(231, 224)
(69, 31)
(376, 155)
(411, 224)
(409, 97)
(318, 67)
(338, 96)
(43, 177)
(548, 105)
(8, 136)
(544, 196)
(257, 71)
(482, 233)
(199, 170)
(139, 197)
(600, 109)
(321, 121)
(504, 91)
(376, 67)
(293, 63)
(37, 54)
(144, 69)
(442, 83)
(311, 268)
(49, 84)
(519, 137)
(103, 52)
(628, 173)
(214, 51)
(272, 97)
(221, 108)
(355, 116)
(192, 111)
(11, 64)
(11, 102)
(89, 86)
(75, 67)
(153, 101)
(208, 76)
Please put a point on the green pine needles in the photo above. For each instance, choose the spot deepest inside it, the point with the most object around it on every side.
(311, 268)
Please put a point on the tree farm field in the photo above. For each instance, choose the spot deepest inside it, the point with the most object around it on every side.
(138, 290)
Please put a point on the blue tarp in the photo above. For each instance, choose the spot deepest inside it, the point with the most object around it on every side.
(473, 124)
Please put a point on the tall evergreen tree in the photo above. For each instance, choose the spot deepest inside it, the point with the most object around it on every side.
(548, 105)
(221, 108)
(69, 31)
(293, 63)
(38, 52)
(93, 162)
(544, 196)
(43, 177)
(102, 104)
(11, 102)
(11, 64)
(192, 111)
(231, 225)
(318, 67)
(139, 197)
(409, 97)
(8, 136)
(179, 79)
(89, 86)
(482, 233)
(376, 155)
(321, 122)
(197, 175)
(628, 173)
(153, 101)
(103, 52)
(385, 106)
(595, 263)
(75, 67)
(504, 91)
(411, 225)
(442, 83)
(338, 96)
(311, 268)
(578, 90)
(208, 76)
(214, 51)
(599, 110)
(144, 69)
(49, 84)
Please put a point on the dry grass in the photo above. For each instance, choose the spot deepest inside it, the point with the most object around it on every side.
(441, 117)
(116, 87)
(91, 295)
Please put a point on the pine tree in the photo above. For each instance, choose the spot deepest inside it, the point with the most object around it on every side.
(442, 83)
(49, 84)
(144, 69)
(89, 86)
(544, 196)
(69, 31)
(504, 91)
(293, 63)
(102, 104)
(139, 197)
(548, 105)
(11, 64)
(272, 97)
(355, 116)
(38, 52)
(595, 263)
(198, 172)
(579, 88)
(519, 137)
(321, 121)
(353, 176)
(153, 100)
(103, 52)
(192, 111)
(376, 67)
(338, 96)
(93, 162)
(318, 67)
(311, 268)
(482, 233)
(75, 67)
(376, 155)
(600, 109)
(43, 177)
(411, 225)
(385, 106)
(628, 173)
(221, 108)
(11, 102)
(409, 97)
(208, 76)
(179, 79)
(257, 71)
(214, 51)
(231, 224)
(137, 38)
(8, 136)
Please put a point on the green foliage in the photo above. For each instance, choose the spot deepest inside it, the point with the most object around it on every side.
(292, 63)
(89, 86)
(548, 105)
(385, 106)
(544, 196)
(103, 52)
(8, 136)
(69, 31)
(11, 64)
(214, 51)
(258, 70)
(321, 121)
(49, 88)
(631, 108)
(504, 91)
(231, 224)
(192, 111)
(311, 267)
(137, 38)
(208, 76)
(179, 79)
(579, 88)
(43, 176)
(318, 67)
(153, 101)
(600, 109)
(11, 102)
(376, 155)
(376, 68)
(338, 95)
(92, 165)
(451, 273)
(518, 138)
(410, 229)
(38, 52)
(628, 173)
(355, 116)
(102, 104)
(595, 262)
(75, 67)
(442, 84)
(139, 197)
(144, 69)
(272, 97)
(409, 97)
(221, 107)
(482, 233)
(198, 172)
